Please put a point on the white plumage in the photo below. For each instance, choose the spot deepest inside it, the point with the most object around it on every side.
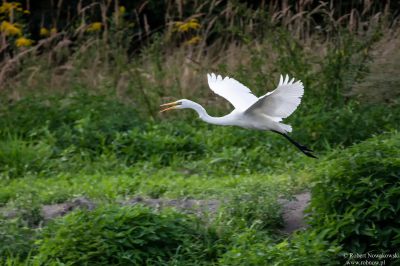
(281, 102)
(275, 105)
(235, 92)
(263, 113)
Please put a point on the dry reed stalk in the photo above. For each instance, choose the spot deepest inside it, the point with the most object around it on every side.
(382, 84)
(146, 25)
(10, 63)
(179, 5)
(297, 18)
(104, 7)
(116, 13)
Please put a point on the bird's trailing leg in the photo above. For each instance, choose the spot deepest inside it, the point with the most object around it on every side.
(302, 148)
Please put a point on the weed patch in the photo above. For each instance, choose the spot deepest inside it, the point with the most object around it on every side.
(125, 235)
(355, 196)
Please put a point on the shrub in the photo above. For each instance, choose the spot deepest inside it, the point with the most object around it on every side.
(80, 119)
(18, 157)
(160, 143)
(15, 237)
(303, 248)
(344, 126)
(114, 235)
(356, 196)
(254, 206)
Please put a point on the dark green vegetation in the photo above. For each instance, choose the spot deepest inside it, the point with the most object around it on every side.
(99, 148)
(113, 235)
(81, 121)
(357, 195)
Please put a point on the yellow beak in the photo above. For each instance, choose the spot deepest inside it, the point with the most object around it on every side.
(169, 106)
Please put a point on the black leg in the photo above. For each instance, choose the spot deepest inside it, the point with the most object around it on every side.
(302, 148)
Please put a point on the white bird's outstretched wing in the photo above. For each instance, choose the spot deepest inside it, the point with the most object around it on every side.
(232, 90)
(281, 102)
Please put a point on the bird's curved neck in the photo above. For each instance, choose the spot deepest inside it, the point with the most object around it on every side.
(206, 117)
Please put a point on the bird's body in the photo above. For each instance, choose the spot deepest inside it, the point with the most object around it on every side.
(240, 119)
(263, 113)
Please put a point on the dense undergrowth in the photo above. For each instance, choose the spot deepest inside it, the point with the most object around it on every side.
(82, 121)
(356, 195)
(96, 147)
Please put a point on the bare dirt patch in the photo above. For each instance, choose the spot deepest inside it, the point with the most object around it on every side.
(293, 212)
(293, 215)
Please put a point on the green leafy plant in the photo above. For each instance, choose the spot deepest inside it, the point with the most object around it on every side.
(125, 236)
(355, 195)
(253, 206)
(16, 238)
(303, 248)
(18, 157)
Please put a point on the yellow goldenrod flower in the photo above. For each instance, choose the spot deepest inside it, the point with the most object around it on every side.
(95, 26)
(53, 31)
(23, 42)
(27, 12)
(44, 32)
(186, 26)
(6, 7)
(194, 24)
(9, 28)
(122, 10)
(194, 40)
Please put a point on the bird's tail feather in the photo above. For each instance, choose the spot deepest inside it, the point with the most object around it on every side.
(286, 128)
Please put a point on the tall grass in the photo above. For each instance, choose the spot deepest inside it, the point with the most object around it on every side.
(315, 42)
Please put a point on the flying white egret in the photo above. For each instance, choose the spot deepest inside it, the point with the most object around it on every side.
(263, 113)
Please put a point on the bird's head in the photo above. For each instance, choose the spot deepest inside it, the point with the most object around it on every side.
(180, 104)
